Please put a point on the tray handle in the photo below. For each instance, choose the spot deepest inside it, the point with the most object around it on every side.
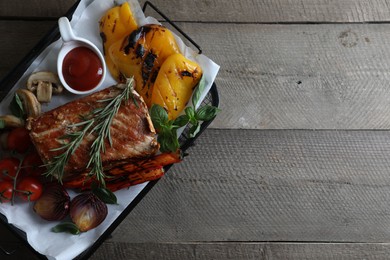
(147, 3)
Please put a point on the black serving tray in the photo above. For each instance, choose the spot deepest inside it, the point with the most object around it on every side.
(12, 77)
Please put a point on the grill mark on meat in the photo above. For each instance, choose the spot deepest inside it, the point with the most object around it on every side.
(132, 133)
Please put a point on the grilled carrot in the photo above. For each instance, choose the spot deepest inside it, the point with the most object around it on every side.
(129, 174)
(80, 182)
(118, 182)
(135, 178)
(156, 161)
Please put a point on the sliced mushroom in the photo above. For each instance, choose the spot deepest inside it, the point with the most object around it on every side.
(12, 121)
(31, 105)
(44, 76)
(29, 122)
(44, 91)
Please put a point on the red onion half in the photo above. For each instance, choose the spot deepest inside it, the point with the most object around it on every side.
(87, 211)
(54, 202)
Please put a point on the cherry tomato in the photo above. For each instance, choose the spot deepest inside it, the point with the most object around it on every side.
(8, 168)
(29, 188)
(19, 140)
(3, 139)
(6, 188)
(32, 165)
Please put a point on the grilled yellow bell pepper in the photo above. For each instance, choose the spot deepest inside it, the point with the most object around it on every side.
(176, 80)
(116, 23)
(141, 55)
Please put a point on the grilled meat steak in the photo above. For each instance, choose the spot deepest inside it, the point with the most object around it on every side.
(132, 132)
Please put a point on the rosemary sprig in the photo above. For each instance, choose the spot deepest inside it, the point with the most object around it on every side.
(104, 117)
(99, 122)
(57, 165)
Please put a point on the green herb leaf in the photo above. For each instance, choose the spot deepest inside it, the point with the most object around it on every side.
(16, 106)
(198, 91)
(206, 113)
(194, 130)
(2, 124)
(190, 112)
(181, 121)
(159, 116)
(105, 195)
(68, 227)
(167, 135)
(168, 141)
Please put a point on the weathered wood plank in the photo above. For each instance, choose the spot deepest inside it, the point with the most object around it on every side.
(35, 8)
(272, 185)
(281, 76)
(271, 11)
(242, 251)
(19, 38)
(299, 76)
(249, 11)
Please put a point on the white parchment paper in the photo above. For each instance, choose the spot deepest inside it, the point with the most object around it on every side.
(85, 23)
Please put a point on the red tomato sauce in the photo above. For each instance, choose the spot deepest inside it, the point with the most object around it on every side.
(82, 69)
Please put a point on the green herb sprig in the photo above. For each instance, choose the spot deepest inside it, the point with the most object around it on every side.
(99, 122)
(16, 108)
(67, 227)
(57, 165)
(104, 117)
(167, 129)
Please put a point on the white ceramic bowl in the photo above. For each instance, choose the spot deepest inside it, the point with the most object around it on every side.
(70, 42)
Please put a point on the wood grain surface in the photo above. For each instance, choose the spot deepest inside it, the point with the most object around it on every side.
(278, 11)
(237, 250)
(34, 9)
(288, 186)
(26, 34)
(278, 76)
(237, 11)
(295, 166)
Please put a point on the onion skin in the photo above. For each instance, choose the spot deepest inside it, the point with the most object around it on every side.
(54, 203)
(87, 211)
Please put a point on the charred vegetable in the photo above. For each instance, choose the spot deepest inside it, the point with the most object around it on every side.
(135, 178)
(176, 80)
(114, 26)
(141, 54)
(130, 173)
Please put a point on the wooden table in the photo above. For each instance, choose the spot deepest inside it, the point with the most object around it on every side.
(297, 164)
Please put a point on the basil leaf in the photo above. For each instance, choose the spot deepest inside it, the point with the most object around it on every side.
(105, 195)
(190, 112)
(198, 91)
(206, 113)
(68, 227)
(159, 116)
(168, 141)
(194, 130)
(181, 121)
(16, 106)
